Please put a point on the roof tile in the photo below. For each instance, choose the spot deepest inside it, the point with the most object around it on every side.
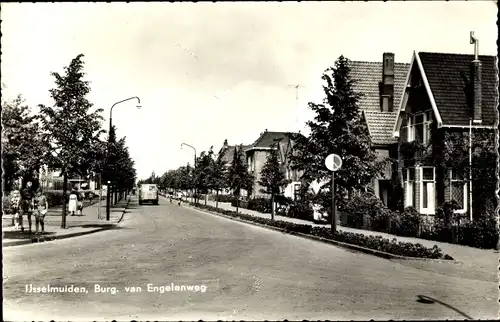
(448, 75)
(367, 76)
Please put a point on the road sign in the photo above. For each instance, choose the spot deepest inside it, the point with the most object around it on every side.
(333, 162)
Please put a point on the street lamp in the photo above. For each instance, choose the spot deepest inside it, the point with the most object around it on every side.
(192, 147)
(109, 144)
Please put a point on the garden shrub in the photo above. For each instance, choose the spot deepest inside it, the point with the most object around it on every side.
(6, 205)
(481, 233)
(55, 197)
(301, 210)
(406, 223)
(224, 198)
(239, 203)
(259, 204)
(366, 204)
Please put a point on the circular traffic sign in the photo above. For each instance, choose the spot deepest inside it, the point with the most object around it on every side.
(333, 162)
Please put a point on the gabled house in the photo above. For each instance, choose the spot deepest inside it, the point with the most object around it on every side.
(381, 86)
(444, 93)
(227, 152)
(257, 155)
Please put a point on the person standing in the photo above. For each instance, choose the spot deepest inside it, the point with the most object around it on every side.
(81, 198)
(15, 205)
(73, 203)
(41, 210)
(27, 197)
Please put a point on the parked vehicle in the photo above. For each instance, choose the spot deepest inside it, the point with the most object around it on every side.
(148, 193)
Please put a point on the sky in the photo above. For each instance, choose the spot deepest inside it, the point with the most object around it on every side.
(206, 72)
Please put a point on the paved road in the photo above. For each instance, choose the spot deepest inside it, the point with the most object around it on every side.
(249, 273)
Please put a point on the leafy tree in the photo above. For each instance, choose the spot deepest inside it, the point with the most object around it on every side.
(272, 178)
(219, 179)
(238, 176)
(71, 128)
(202, 173)
(338, 127)
(23, 148)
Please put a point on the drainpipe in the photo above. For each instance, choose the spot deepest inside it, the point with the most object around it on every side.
(470, 169)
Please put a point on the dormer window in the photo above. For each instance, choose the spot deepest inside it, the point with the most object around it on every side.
(386, 103)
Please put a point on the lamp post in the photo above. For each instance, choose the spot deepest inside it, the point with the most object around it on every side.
(192, 147)
(108, 199)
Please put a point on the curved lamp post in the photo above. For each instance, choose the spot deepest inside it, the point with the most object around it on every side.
(108, 194)
(192, 147)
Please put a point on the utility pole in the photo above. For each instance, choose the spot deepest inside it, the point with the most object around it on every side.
(297, 87)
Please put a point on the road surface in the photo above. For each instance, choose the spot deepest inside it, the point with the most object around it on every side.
(246, 272)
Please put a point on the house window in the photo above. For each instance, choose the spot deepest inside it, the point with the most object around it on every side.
(296, 192)
(427, 192)
(419, 127)
(385, 103)
(411, 130)
(427, 127)
(458, 189)
(409, 180)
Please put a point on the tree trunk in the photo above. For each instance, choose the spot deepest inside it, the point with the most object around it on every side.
(65, 190)
(217, 200)
(237, 201)
(206, 198)
(272, 206)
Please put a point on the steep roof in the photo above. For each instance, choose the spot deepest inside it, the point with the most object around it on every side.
(229, 152)
(267, 139)
(448, 76)
(367, 76)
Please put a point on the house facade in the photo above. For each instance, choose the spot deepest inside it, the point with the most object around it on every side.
(443, 94)
(52, 180)
(381, 86)
(257, 155)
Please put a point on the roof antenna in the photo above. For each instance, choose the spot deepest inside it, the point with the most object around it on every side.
(475, 41)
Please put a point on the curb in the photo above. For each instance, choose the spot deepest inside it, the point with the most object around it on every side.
(123, 213)
(357, 248)
(47, 239)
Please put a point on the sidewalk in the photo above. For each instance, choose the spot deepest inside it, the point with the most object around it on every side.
(76, 225)
(474, 258)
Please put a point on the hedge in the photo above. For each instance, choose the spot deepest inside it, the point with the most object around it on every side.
(373, 242)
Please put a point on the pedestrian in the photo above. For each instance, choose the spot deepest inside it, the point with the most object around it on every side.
(81, 197)
(15, 205)
(73, 203)
(27, 204)
(41, 210)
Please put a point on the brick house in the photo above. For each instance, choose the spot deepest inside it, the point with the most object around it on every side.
(444, 93)
(381, 86)
(257, 155)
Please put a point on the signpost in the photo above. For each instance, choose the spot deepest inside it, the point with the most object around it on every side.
(333, 163)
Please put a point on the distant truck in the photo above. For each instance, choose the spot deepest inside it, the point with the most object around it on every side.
(148, 193)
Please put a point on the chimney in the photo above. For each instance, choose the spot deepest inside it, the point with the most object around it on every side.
(387, 84)
(225, 143)
(476, 81)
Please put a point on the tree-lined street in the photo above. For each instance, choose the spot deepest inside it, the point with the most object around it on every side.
(250, 273)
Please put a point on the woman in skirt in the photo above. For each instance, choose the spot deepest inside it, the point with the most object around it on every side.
(73, 203)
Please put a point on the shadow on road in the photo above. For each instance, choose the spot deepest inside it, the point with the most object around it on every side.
(429, 300)
(23, 235)
(98, 226)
